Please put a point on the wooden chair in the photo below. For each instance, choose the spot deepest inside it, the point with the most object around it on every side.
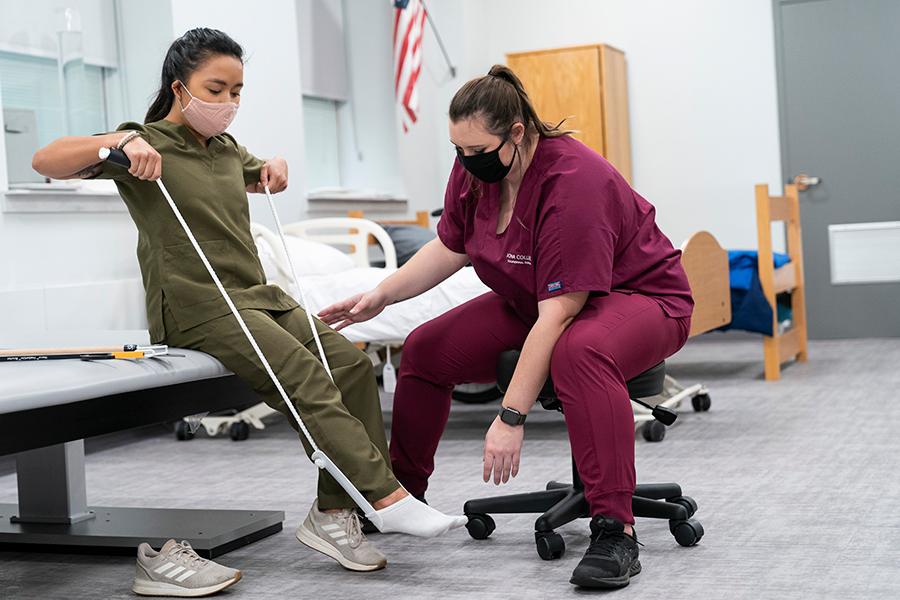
(792, 344)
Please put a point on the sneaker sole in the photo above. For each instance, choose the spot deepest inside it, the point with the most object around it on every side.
(311, 540)
(608, 582)
(161, 588)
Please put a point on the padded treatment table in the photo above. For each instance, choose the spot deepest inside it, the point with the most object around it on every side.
(48, 407)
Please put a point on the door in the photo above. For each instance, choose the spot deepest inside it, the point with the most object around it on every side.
(839, 105)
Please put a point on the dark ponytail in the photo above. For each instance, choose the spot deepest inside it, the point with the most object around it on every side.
(501, 100)
(184, 56)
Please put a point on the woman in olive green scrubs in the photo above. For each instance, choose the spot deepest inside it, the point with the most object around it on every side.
(208, 174)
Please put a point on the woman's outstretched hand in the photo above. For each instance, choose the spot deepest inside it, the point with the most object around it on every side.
(354, 309)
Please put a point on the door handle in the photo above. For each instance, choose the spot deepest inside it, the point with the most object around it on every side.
(804, 181)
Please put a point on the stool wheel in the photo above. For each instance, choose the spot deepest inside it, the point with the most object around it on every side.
(183, 431)
(239, 431)
(480, 527)
(689, 504)
(687, 533)
(701, 402)
(654, 431)
(550, 545)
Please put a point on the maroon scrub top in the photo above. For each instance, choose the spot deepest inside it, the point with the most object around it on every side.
(577, 226)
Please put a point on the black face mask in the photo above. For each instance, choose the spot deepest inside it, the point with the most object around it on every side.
(487, 166)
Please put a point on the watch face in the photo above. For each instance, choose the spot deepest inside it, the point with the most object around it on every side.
(510, 417)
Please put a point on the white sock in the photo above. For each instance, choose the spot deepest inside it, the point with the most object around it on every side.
(415, 518)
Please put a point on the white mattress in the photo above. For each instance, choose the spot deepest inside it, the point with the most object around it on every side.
(398, 320)
(30, 385)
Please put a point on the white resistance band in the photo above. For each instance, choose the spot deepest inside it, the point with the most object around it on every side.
(319, 458)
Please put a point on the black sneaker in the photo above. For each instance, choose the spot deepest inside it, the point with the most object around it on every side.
(369, 528)
(612, 558)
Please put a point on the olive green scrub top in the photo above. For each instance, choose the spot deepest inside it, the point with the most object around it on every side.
(209, 187)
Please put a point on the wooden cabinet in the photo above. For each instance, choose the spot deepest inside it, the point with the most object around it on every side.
(589, 86)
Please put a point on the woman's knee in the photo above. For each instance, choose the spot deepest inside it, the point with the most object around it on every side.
(419, 355)
(356, 363)
(577, 349)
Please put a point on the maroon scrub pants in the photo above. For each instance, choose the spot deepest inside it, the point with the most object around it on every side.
(614, 338)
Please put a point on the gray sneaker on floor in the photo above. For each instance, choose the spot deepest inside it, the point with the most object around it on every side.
(339, 535)
(176, 570)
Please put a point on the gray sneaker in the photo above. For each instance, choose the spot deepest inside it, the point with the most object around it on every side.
(339, 535)
(176, 570)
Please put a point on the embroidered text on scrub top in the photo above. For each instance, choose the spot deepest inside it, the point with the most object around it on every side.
(518, 259)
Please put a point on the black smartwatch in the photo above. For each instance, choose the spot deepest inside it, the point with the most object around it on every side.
(511, 416)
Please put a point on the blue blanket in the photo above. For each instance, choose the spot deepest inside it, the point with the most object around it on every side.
(750, 310)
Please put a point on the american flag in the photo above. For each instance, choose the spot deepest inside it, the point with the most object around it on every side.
(409, 25)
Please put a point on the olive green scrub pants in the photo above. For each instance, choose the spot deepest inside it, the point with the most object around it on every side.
(344, 417)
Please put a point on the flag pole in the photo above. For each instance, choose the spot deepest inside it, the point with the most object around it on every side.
(439, 40)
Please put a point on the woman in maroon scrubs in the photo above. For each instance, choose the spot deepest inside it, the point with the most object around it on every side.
(583, 282)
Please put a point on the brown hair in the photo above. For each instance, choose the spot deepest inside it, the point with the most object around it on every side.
(500, 99)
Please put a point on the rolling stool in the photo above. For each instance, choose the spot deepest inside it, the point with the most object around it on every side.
(562, 503)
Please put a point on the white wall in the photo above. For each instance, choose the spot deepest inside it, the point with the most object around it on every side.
(369, 160)
(5, 263)
(270, 121)
(703, 104)
(146, 33)
(323, 65)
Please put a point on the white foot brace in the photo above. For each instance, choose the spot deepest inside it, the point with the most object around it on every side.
(415, 518)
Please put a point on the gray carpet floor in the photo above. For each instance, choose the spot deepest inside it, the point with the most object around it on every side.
(797, 483)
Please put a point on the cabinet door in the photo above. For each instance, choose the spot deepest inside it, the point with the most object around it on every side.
(616, 132)
(565, 84)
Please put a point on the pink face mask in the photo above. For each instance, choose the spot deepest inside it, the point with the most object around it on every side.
(208, 118)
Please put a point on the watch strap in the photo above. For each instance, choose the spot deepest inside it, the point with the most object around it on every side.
(511, 416)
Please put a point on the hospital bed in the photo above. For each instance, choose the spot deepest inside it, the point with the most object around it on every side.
(332, 259)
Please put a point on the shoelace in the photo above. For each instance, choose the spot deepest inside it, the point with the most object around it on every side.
(183, 551)
(609, 544)
(352, 527)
